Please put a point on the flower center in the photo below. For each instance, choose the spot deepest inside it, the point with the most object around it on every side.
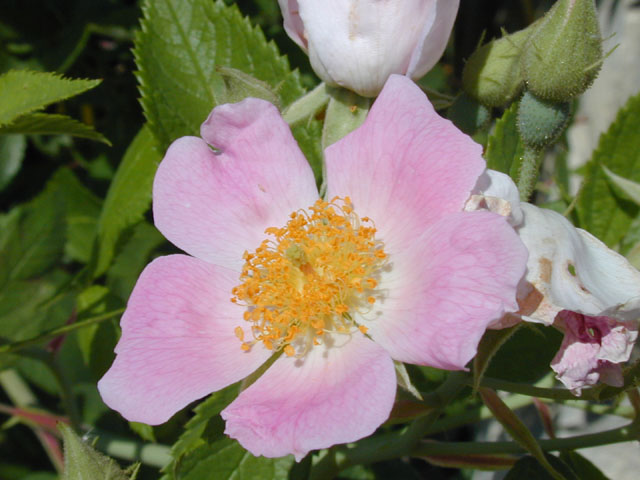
(310, 278)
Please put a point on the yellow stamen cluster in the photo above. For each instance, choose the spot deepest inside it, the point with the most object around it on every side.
(310, 278)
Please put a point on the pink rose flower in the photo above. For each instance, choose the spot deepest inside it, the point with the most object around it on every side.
(358, 44)
(390, 268)
(591, 350)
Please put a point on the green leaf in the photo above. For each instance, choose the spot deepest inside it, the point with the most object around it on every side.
(583, 468)
(600, 210)
(23, 91)
(177, 51)
(504, 148)
(202, 451)
(128, 198)
(526, 355)
(489, 345)
(133, 257)
(227, 460)
(12, 148)
(83, 462)
(82, 209)
(32, 237)
(528, 468)
(50, 124)
(96, 342)
(206, 426)
(631, 189)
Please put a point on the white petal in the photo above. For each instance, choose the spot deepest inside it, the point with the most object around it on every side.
(570, 269)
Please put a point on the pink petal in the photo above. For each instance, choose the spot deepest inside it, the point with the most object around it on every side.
(405, 167)
(334, 395)
(217, 205)
(178, 342)
(445, 290)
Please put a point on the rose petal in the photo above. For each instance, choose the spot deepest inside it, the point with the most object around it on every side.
(216, 206)
(445, 290)
(178, 342)
(359, 44)
(434, 38)
(570, 269)
(334, 395)
(405, 167)
(292, 22)
(497, 193)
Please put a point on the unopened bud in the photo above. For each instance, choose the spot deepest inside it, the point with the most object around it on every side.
(564, 53)
(541, 122)
(493, 75)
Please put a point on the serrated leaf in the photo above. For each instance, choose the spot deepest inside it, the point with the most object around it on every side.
(600, 210)
(227, 460)
(504, 147)
(128, 198)
(177, 50)
(12, 148)
(23, 91)
(83, 462)
(51, 124)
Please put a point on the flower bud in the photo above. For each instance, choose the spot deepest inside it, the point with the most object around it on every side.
(564, 53)
(493, 74)
(541, 122)
(357, 44)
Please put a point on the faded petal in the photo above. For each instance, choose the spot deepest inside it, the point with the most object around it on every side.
(591, 350)
(497, 193)
(570, 269)
(333, 395)
(178, 342)
(446, 288)
(405, 167)
(214, 205)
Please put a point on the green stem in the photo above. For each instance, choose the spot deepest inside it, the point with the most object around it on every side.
(528, 176)
(627, 433)
(525, 389)
(56, 332)
(66, 391)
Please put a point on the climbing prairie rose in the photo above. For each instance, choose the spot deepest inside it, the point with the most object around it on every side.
(357, 44)
(388, 267)
(573, 282)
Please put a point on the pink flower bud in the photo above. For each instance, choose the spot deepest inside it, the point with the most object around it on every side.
(357, 44)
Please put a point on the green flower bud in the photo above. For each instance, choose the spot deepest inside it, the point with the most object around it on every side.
(564, 54)
(493, 75)
(540, 122)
